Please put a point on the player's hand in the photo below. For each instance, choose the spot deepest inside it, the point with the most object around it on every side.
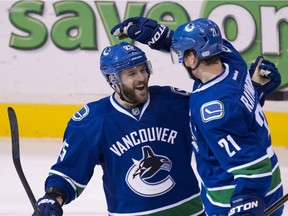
(49, 206)
(146, 31)
(266, 74)
(247, 205)
(120, 30)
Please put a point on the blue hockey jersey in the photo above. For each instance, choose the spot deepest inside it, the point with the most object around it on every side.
(231, 138)
(145, 155)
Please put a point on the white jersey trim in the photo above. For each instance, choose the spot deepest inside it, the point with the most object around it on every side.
(217, 80)
(122, 110)
(247, 164)
(73, 183)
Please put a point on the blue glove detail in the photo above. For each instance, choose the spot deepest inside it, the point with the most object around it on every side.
(146, 31)
(265, 76)
(49, 206)
(247, 205)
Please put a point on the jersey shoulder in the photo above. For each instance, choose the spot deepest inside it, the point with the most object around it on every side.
(231, 56)
(92, 111)
(169, 92)
(169, 97)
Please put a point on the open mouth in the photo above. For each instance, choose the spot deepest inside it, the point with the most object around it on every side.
(140, 87)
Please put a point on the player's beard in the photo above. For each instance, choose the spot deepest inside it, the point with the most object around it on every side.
(133, 95)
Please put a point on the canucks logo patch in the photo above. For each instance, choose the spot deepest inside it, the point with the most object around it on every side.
(80, 114)
(180, 91)
(212, 110)
(140, 175)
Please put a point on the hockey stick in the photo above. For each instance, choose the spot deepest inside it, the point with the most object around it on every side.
(276, 205)
(16, 158)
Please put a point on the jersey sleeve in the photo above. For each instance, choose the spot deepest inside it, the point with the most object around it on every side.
(76, 162)
(226, 56)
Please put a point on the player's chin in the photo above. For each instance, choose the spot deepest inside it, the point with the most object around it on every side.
(142, 96)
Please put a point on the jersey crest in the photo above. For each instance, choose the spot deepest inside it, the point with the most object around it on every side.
(138, 177)
(212, 110)
(81, 114)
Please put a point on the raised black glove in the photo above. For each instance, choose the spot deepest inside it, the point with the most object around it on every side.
(146, 31)
(265, 76)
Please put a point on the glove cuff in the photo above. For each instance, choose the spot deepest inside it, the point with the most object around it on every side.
(55, 192)
(247, 204)
(261, 92)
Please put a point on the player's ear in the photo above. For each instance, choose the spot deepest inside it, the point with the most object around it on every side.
(190, 58)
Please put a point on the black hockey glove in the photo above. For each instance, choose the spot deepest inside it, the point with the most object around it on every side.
(146, 31)
(265, 77)
(246, 205)
(49, 206)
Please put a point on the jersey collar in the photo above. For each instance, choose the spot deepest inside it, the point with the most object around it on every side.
(118, 107)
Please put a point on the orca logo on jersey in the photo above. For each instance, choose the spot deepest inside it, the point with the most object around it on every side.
(139, 176)
(212, 110)
(80, 114)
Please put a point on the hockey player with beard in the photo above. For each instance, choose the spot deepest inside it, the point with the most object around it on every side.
(231, 138)
(140, 137)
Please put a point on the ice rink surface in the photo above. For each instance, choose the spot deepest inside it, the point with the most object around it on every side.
(37, 155)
